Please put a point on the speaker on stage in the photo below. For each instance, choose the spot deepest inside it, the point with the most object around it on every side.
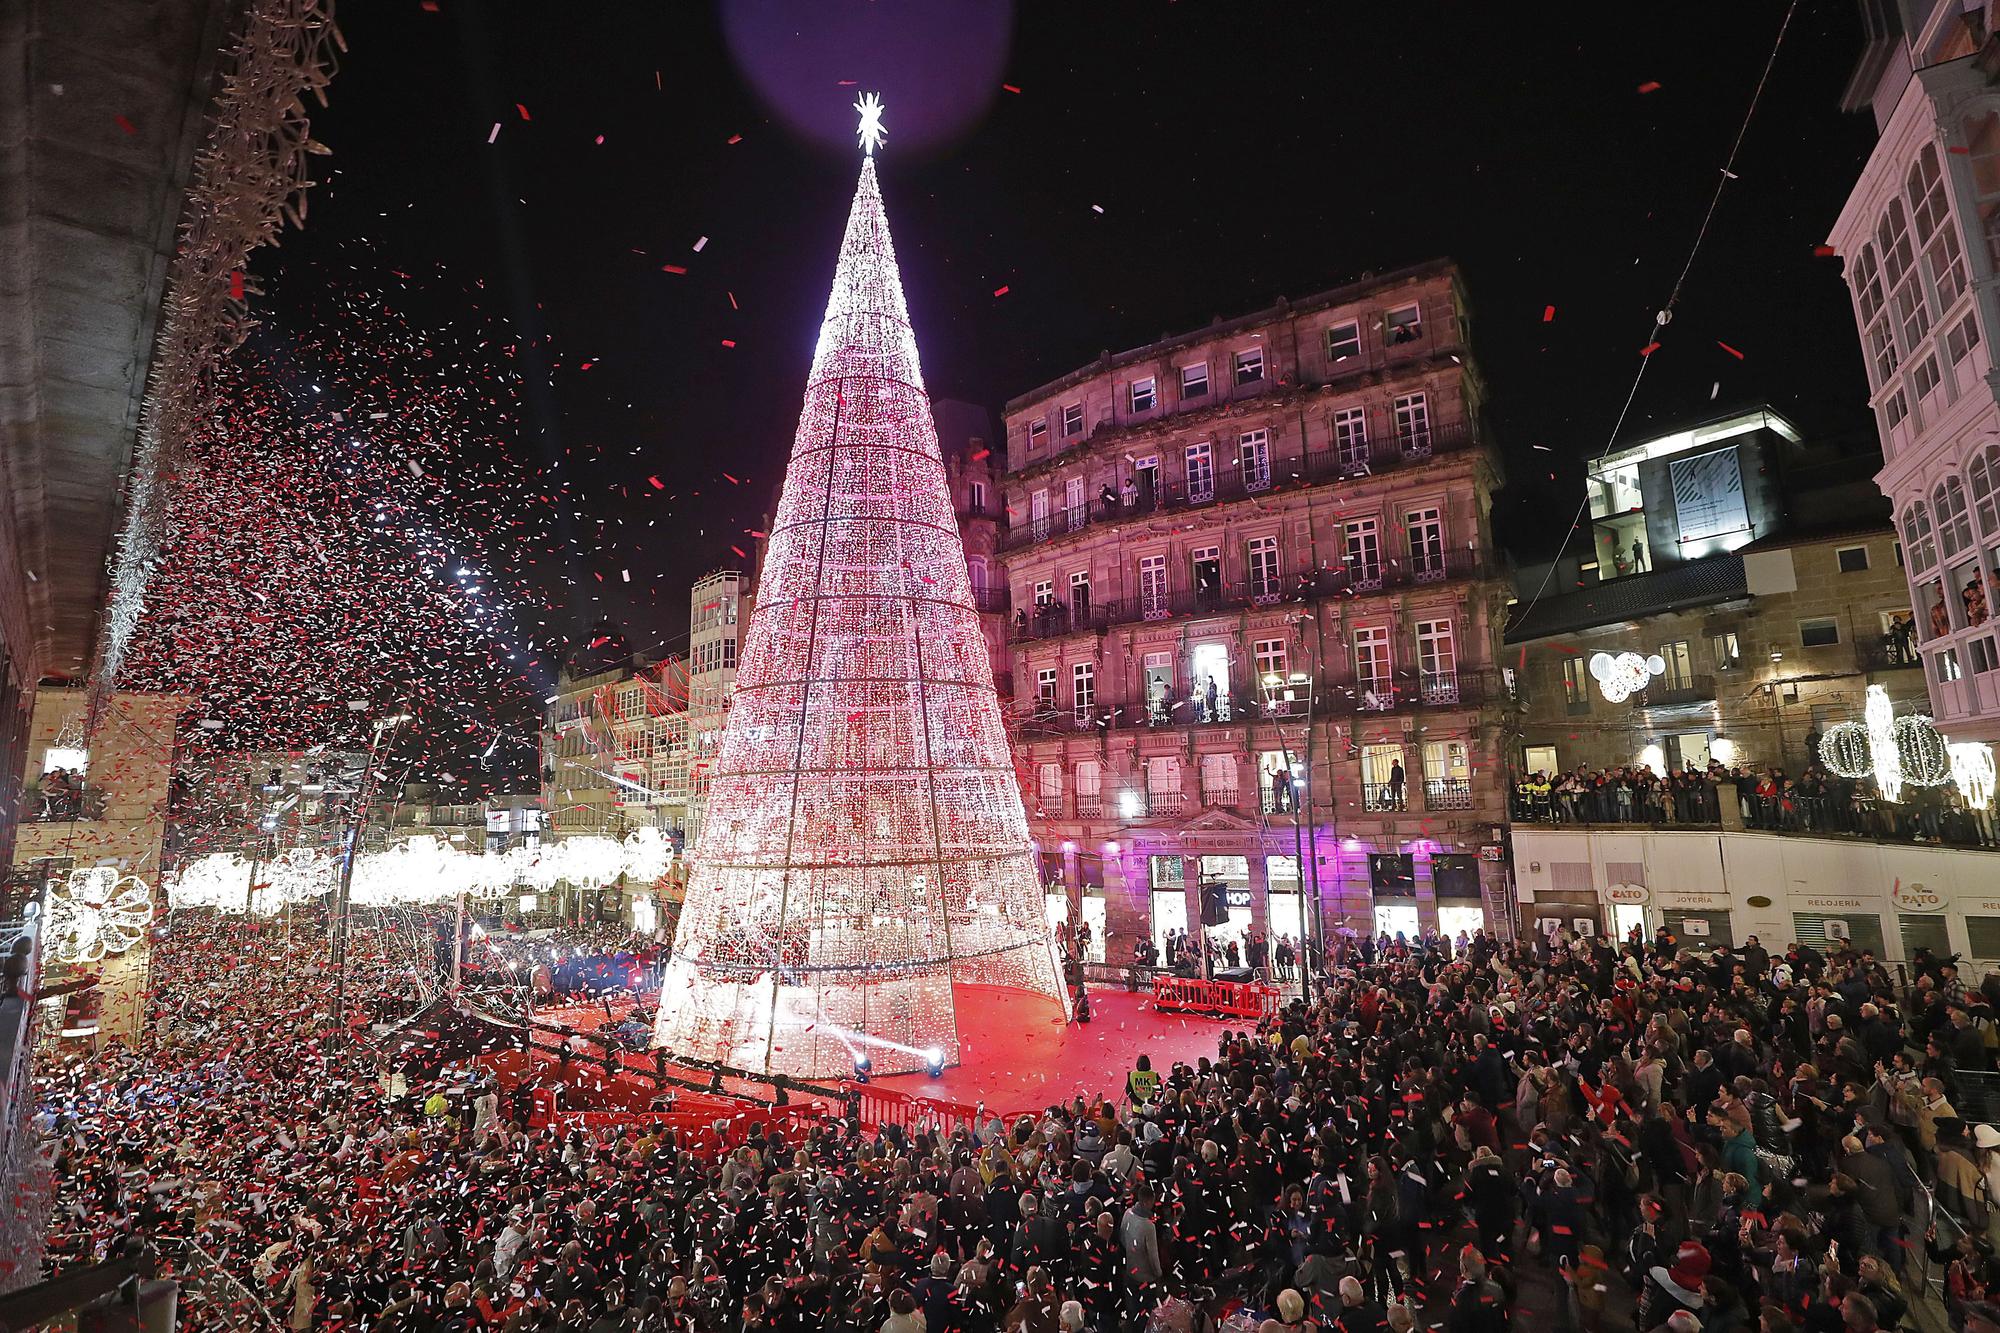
(1214, 904)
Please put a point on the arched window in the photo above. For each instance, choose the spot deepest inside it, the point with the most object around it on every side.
(1899, 267)
(1985, 473)
(1917, 542)
(1944, 261)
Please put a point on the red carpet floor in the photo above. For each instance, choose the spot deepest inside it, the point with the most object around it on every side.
(1017, 1056)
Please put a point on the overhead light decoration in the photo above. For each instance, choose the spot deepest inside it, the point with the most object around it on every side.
(419, 870)
(1893, 750)
(96, 912)
(1619, 676)
(1972, 770)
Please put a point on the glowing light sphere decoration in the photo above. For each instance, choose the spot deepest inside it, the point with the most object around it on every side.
(1972, 769)
(1892, 749)
(865, 855)
(1619, 676)
(96, 911)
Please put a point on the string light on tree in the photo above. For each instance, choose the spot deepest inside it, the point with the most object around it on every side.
(865, 853)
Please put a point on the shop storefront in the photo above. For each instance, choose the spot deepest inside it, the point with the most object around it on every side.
(1461, 906)
(1697, 920)
(1392, 880)
(1828, 923)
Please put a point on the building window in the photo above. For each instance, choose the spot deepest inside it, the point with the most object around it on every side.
(975, 497)
(1897, 548)
(1895, 409)
(1144, 394)
(1425, 528)
(1852, 559)
(1045, 689)
(1082, 687)
(1250, 366)
(1194, 381)
(1048, 782)
(1089, 787)
(1917, 537)
(1079, 594)
(1945, 665)
(1985, 473)
(1679, 674)
(1383, 780)
(1045, 592)
(1983, 655)
(1819, 632)
(1575, 691)
(1371, 666)
(1153, 587)
(1437, 662)
(1264, 567)
(1343, 341)
(1882, 355)
(1038, 434)
(1404, 324)
(1944, 262)
(1271, 660)
(1964, 336)
(1364, 554)
(1200, 473)
(1413, 423)
(1725, 650)
(1218, 779)
(1954, 528)
(1072, 420)
(1254, 456)
(1350, 439)
(1926, 378)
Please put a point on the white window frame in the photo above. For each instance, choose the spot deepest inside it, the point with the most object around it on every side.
(1082, 687)
(1072, 420)
(1342, 340)
(1423, 526)
(1194, 381)
(1045, 592)
(1273, 658)
(1399, 318)
(1350, 438)
(1038, 434)
(1143, 394)
(1253, 458)
(1360, 535)
(1819, 623)
(1249, 365)
(1153, 596)
(1204, 451)
(1266, 579)
(975, 496)
(1840, 565)
(1413, 421)
(1079, 580)
(1372, 649)
(1046, 697)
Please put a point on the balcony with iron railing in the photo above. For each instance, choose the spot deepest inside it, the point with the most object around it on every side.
(1335, 695)
(1887, 653)
(1051, 620)
(1226, 483)
(1676, 692)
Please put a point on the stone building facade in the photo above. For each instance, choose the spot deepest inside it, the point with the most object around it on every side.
(1253, 585)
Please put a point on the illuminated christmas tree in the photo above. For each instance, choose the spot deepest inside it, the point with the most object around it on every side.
(865, 855)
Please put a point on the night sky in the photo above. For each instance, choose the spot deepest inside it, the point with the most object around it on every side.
(1238, 153)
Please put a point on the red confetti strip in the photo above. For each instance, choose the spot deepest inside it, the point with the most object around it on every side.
(1823, 250)
(658, 485)
(734, 139)
(236, 285)
(729, 342)
(1650, 86)
(1548, 314)
(125, 125)
(1001, 291)
(1649, 349)
(672, 268)
(741, 554)
(523, 110)
(1011, 88)
(983, 453)
(1731, 350)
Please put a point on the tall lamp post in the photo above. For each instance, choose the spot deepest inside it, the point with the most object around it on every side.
(357, 819)
(1281, 695)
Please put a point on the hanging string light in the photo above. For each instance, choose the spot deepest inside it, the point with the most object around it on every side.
(1972, 769)
(1892, 749)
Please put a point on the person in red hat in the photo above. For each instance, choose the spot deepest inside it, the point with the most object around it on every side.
(1681, 1286)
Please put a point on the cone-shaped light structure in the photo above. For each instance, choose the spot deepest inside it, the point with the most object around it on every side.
(864, 866)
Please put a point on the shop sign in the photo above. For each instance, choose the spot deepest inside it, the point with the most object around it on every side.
(1758, 900)
(1832, 904)
(1694, 925)
(1915, 896)
(1700, 902)
(1492, 852)
(1629, 894)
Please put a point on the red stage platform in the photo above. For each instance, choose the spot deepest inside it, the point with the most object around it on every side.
(1018, 1055)
(1015, 1052)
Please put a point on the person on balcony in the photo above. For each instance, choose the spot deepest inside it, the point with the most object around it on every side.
(1396, 780)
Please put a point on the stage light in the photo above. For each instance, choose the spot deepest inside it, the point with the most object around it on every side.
(934, 1062)
(862, 1065)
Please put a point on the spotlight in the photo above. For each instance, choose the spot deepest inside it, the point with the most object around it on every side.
(861, 1067)
(934, 1062)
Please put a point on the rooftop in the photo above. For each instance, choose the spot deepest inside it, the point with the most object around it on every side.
(1676, 588)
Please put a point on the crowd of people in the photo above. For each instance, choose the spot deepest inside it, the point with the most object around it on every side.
(1590, 1131)
(1816, 801)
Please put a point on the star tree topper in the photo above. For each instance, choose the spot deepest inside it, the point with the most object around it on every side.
(871, 131)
